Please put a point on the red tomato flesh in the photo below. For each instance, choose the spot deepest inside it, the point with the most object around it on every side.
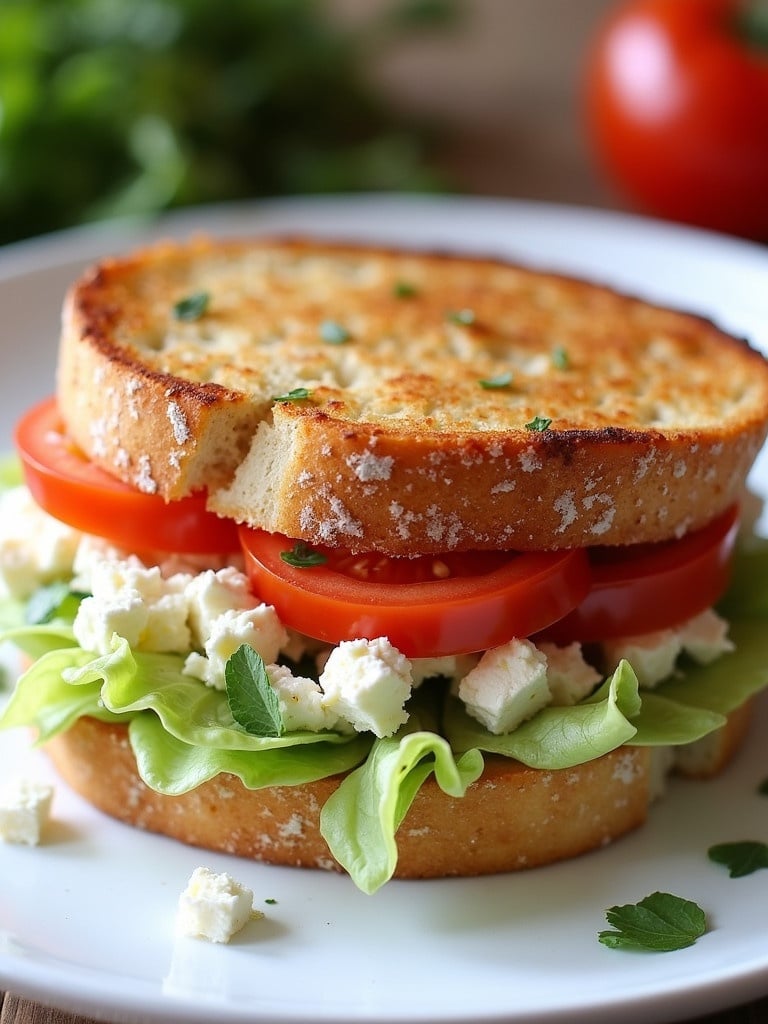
(67, 485)
(647, 587)
(676, 102)
(483, 601)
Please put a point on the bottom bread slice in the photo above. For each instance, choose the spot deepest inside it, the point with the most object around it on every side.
(513, 817)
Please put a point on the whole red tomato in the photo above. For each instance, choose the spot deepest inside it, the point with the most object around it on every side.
(677, 109)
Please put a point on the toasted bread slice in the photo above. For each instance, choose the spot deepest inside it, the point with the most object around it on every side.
(449, 402)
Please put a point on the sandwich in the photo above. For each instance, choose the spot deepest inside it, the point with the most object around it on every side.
(397, 563)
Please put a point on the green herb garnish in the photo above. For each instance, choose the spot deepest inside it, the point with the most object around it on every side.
(271, 901)
(302, 556)
(55, 600)
(253, 703)
(192, 307)
(501, 380)
(333, 333)
(295, 395)
(560, 358)
(404, 290)
(762, 789)
(539, 424)
(742, 858)
(461, 317)
(659, 923)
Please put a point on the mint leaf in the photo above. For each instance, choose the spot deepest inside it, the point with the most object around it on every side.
(539, 424)
(741, 858)
(252, 701)
(192, 307)
(660, 923)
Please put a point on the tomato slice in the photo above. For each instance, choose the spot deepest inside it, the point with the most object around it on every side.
(428, 607)
(65, 483)
(646, 587)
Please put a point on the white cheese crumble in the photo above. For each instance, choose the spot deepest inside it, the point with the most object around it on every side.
(569, 677)
(259, 627)
(705, 637)
(367, 682)
(213, 906)
(507, 687)
(24, 809)
(653, 656)
(35, 548)
(302, 703)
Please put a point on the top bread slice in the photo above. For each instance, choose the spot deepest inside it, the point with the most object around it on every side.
(406, 402)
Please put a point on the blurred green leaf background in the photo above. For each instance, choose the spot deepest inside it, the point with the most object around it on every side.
(128, 107)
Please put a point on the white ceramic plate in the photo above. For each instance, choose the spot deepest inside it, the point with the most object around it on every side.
(86, 920)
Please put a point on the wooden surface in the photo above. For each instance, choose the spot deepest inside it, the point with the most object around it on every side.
(21, 1011)
(510, 86)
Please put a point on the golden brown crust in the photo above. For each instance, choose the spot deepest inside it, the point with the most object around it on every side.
(514, 817)
(656, 415)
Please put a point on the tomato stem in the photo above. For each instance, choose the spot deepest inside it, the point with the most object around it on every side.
(752, 23)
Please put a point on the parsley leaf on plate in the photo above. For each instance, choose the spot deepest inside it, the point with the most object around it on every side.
(742, 858)
(253, 703)
(660, 923)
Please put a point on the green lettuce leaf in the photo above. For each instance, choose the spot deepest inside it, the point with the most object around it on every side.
(668, 723)
(360, 819)
(10, 472)
(169, 765)
(37, 640)
(11, 615)
(728, 682)
(558, 737)
(43, 700)
(197, 714)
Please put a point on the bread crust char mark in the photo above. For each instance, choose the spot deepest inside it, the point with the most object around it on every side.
(656, 415)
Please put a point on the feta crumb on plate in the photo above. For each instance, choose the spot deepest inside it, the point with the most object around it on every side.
(213, 906)
(24, 809)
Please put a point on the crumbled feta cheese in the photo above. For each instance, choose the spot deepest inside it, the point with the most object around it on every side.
(367, 682)
(91, 551)
(136, 603)
(35, 548)
(24, 809)
(705, 637)
(651, 655)
(569, 677)
(302, 702)
(508, 686)
(258, 627)
(210, 594)
(213, 906)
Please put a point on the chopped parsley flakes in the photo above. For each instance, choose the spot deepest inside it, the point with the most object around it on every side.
(192, 307)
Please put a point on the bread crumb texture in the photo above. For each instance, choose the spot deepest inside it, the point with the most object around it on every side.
(407, 402)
